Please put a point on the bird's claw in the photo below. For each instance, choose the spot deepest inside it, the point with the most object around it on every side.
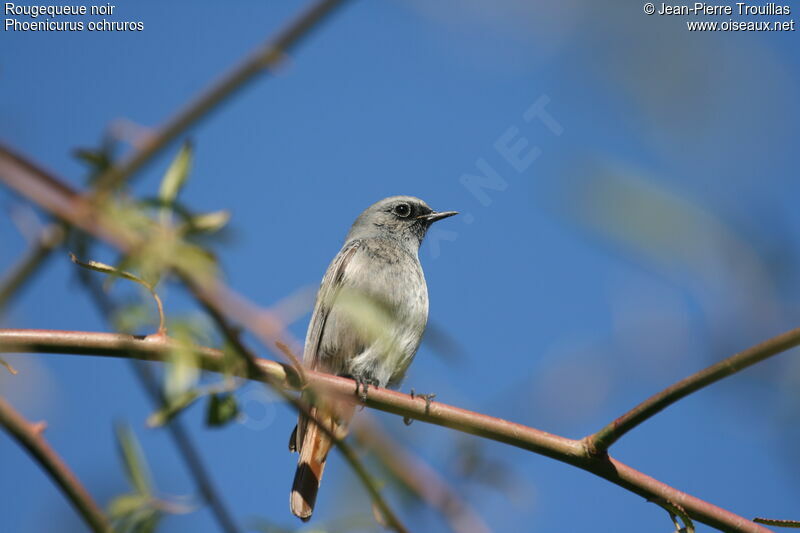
(362, 388)
(428, 399)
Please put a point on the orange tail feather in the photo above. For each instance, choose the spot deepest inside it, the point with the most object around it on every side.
(313, 453)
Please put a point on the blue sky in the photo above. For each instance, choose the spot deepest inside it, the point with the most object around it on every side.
(654, 235)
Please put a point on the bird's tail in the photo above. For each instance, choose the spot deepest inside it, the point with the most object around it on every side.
(314, 445)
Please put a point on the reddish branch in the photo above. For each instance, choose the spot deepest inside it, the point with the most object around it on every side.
(570, 451)
(599, 442)
(55, 196)
(29, 435)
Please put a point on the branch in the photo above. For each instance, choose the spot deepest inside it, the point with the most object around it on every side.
(30, 437)
(180, 436)
(188, 452)
(268, 55)
(569, 451)
(599, 442)
(419, 477)
(13, 280)
(253, 370)
(222, 304)
(52, 194)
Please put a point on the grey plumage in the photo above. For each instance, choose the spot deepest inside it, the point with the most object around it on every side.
(368, 321)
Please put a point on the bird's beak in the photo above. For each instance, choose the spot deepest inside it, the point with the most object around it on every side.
(433, 217)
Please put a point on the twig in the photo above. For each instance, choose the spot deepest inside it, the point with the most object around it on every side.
(221, 303)
(266, 56)
(421, 479)
(52, 194)
(569, 451)
(296, 362)
(188, 452)
(779, 523)
(30, 437)
(50, 237)
(256, 371)
(180, 436)
(113, 271)
(599, 442)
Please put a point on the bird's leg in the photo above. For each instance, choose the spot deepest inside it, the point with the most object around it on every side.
(407, 421)
(362, 386)
(428, 399)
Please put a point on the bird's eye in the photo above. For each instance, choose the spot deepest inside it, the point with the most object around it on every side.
(402, 210)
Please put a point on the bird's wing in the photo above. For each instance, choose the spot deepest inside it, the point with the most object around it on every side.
(327, 291)
(331, 283)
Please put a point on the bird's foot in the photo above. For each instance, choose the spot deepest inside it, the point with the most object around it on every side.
(362, 387)
(428, 399)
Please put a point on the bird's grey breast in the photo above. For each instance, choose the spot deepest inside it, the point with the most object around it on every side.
(377, 320)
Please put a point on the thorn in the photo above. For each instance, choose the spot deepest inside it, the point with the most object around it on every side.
(39, 427)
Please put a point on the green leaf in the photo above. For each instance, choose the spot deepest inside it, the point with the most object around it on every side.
(182, 368)
(173, 408)
(108, 269)
(127, 504)
(116, 272)
(232, 363)
(222, 408)
(209, 222)
(140, 520)
(133, 459)
(176, 175)
(96, 159)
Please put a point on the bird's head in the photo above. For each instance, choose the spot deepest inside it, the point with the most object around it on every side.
(404, 218)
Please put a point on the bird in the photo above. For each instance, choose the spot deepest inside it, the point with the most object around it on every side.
(368, 320)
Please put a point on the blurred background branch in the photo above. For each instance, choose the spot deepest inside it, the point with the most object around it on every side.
(188, 451)
(50, 238)
(29, 436)
(267, 56)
